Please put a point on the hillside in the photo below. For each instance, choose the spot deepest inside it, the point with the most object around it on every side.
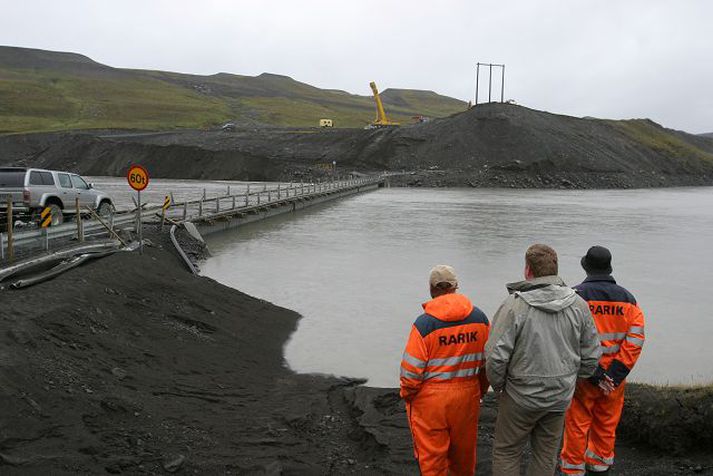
(491, 145)
(43, 90)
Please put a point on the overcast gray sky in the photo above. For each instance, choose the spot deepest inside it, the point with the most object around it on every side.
(605, 58)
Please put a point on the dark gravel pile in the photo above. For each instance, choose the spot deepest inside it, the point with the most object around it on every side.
(131, 365)
(491, 145)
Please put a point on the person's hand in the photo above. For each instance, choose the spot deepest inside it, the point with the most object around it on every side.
(606, 385)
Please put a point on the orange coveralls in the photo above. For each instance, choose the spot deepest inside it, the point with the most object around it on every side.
(592, 418)
(442, 380)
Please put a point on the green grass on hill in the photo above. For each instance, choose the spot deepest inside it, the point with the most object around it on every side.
(654, 136)
(41, 100)
(427, 103)
(297, 112)
(303, 113)
(35, 101)
(44, 90)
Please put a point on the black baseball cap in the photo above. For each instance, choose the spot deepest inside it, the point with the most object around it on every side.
(597, 260)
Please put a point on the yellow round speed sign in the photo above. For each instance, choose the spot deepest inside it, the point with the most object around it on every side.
(138, 177)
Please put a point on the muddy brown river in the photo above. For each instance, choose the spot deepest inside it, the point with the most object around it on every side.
(356, 269)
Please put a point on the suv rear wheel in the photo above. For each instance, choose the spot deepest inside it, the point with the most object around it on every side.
(105, 210)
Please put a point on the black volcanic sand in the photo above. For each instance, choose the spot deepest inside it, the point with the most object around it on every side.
(131, 365)
(491, 145)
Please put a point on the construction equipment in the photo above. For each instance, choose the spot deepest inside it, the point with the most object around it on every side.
(381, 119)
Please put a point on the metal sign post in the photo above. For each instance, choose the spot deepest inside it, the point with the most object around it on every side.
(46, 223)
(139, 226)
(138, 179)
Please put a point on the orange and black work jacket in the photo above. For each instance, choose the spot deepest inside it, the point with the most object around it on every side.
(445, 346)
(620, 324)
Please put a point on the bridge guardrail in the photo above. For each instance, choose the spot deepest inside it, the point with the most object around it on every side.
(189, 210)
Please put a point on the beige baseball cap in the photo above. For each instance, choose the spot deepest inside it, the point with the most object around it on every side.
(443, 273)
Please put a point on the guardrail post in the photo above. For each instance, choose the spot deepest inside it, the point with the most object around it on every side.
(185, 210)
(278, 191)
(10, 242)
(258, 198)
(203, 194)
(217, 204)
(200, 208)
(269, 195)
(228, 189)
(233, 202)
(80, 230)
(47, 238)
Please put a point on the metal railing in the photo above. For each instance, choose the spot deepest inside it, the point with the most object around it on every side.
(201, 209)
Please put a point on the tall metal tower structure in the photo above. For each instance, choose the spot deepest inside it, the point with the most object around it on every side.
(490, 80)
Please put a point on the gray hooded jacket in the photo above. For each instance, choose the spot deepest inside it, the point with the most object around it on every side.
(543, 337)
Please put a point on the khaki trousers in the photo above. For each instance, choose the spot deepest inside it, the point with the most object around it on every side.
(513, 427)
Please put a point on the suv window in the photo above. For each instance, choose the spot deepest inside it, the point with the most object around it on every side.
(12, 178)
(41, 178)
(64, 181)
(79, 182)
(35, 178)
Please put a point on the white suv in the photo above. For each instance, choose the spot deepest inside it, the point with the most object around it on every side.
(32, 190)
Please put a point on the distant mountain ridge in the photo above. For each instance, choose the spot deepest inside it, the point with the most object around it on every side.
(45, 90)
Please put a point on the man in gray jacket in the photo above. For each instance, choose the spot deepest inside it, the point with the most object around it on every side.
(542, 339)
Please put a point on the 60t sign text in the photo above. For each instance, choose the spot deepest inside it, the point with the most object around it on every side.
(138, 177)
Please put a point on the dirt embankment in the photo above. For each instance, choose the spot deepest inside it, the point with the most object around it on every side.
(131, 365)
(491, 145)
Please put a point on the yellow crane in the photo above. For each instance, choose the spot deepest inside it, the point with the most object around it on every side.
(381, 119)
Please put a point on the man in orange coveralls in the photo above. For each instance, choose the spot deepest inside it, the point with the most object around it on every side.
(592, 418)
(443, 378)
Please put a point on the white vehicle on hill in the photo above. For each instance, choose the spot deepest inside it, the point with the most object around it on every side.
(32, 190)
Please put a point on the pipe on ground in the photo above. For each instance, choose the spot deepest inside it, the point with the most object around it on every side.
(189, 263)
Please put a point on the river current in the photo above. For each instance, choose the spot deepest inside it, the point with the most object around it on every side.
(357, 269)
